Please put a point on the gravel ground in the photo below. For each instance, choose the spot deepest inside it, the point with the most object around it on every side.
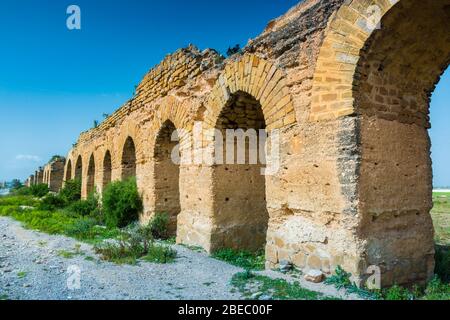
(32, 268)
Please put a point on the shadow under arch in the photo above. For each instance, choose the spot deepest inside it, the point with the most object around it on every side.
(240, 208)
(167, 176)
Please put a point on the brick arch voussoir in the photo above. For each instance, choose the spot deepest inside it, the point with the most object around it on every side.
(174, 111)
(130, 130)
(346, 35)
(262, 80)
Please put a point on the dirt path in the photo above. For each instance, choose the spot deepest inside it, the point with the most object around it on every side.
(33, 266)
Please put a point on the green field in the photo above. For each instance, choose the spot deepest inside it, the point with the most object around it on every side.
(441, 218)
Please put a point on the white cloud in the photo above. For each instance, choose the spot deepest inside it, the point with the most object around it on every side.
(27, 157)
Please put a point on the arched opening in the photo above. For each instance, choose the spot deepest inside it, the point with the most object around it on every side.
(107, 170)
(240, 211)
(90, 186)
(167, 176)
(398, 70)
(68, 171)
(439, 133)
(129, 159)
(79, 169)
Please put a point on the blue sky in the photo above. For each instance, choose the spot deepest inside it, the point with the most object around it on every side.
(54, 82)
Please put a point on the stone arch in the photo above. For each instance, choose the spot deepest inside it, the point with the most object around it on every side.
(349, 34)
(239, 188)
(171, 109)
(397, 71)
(90, 181)
(79, 168)
(167, 175)
(68, 175)
(384, 74)
(128, 162)
(107, 170)
(259, 78)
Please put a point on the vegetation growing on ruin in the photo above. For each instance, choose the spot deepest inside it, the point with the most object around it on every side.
(242, 258)
(435, 290)
(256, 287)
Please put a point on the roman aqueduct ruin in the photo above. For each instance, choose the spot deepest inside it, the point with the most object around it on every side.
(350, 97)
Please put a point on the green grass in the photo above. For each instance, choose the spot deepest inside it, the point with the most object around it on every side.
(441, 218)
(17, 201)
(22, 274)
(71, 254)
(87, 229)
(61, 222)
(253, 286)
(435, 290)
(4, 297)
(242, 259)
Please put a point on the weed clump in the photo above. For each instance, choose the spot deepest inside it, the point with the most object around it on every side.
(134, 243)
(242, 258)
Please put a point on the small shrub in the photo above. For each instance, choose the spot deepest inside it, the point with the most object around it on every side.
(234, 50)
(398, 293)
(120, 252)
(23, 191)
(159, 226)
(341, 279)
(52, 202)
(84, 208)
(82, 229)
(135, 242)
(39, 190)
(121, 203)
(71, 191)
(138, 235)
(160, 254)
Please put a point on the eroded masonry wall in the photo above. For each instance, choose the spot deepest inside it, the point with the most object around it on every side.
(396, 168)
(299, 213)
(397, 73)
(353, 181)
